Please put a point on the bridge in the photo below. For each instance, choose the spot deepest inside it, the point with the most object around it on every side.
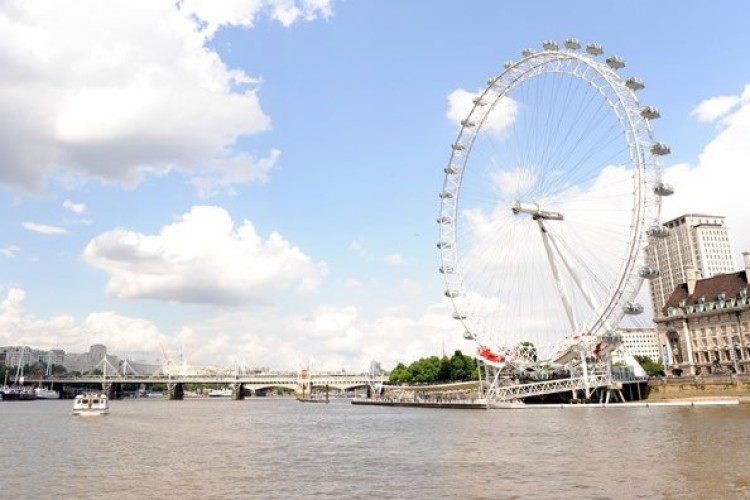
(240, 384)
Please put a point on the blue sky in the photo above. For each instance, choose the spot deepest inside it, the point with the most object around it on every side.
(258, 181)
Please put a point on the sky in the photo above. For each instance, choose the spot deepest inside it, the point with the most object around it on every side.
(256, 181)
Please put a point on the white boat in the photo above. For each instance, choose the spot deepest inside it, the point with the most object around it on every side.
(46, 393)
(226, 392)
(91, 404)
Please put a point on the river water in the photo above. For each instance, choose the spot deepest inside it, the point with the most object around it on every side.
(275, 448)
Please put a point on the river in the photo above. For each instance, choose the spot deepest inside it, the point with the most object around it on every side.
(272, 448)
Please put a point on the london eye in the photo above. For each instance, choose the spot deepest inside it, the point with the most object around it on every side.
(550, 195)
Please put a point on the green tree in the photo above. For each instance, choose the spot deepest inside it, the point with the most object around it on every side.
(426, 370)
(446, 369)
(649, 365)
(400, 375)
(462, 367)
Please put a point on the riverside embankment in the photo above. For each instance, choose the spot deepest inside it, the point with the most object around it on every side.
(694, 387)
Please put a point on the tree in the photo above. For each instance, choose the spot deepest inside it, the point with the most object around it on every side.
(462, 367)
(458, 367)
(400, 375)
(649, 365)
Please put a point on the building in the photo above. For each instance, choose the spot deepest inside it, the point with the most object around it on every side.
(704, 327)
(641, 342)
(701, 241)
(14, 355)
(90, 361)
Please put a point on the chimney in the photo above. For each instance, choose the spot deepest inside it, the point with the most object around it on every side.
(746, 256)
(691, 276)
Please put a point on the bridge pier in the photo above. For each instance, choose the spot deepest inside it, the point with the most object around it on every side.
(238, 392)
(175, 392)
(113, 391)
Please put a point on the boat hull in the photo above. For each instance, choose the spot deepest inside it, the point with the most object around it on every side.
(90, 405)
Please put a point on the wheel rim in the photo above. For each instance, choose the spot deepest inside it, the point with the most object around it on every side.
(558, 133)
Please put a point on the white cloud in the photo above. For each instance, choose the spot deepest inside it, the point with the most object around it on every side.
(121, 334)
(124, 334)
(76, 208)
(335, 337)
(241, 169)
(244, 12)
(503, 114)
(718, 183)
(288, 12)
(9, 251)
(148, 97)
(394, 259)
(202, 258)
(715, 107)
(44, 228)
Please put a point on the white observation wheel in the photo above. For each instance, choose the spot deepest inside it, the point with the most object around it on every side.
(551, 193)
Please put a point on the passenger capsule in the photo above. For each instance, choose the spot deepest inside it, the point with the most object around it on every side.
(663, 189)
(648, 272)
(444, 244)
(508, 64)
(467, 123)
(550, 45)
(457, 146)
(445, 195)
(615, 62)
(528, 52)
(661, 149)
(458, 315)
(450, 170)
(452, 294)
(658, 231)
(632, 308)
(650, 113)
(594, 49)
(468, 336)
(446, 270)
(443, 219)
(572, 44)
(478, 101)
(634, 83)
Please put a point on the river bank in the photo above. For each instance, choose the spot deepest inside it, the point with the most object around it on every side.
(700, 387)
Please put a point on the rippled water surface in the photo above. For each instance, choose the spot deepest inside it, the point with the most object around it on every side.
(270, 448)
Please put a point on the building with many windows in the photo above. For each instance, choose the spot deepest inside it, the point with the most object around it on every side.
(15, 355)
(704, 327)
(641, 342)
(698, 240)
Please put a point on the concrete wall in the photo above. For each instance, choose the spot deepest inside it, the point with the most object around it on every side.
(698, 387)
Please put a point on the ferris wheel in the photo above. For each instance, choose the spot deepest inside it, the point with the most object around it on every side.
(550, 196)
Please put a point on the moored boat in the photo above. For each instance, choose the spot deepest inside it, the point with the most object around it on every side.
(226, 392)
(90, 405)
(46, 393)
(16, 393)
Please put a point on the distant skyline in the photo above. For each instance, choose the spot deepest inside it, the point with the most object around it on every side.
(257, 181)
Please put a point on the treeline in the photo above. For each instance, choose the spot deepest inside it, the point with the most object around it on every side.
(458, 367)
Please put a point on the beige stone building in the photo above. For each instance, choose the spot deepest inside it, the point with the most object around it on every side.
(704, 327)
(698, 240)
